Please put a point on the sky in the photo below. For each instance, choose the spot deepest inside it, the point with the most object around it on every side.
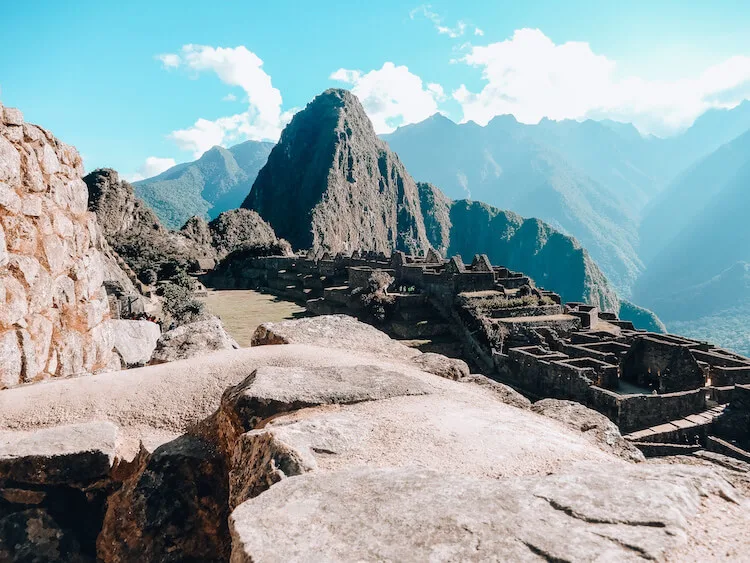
(139, 86)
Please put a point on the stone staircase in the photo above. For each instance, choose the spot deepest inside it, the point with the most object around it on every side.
(688, 430)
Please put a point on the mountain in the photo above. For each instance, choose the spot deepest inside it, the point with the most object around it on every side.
(594, 180)
(700, 278)
(553, 260)
(216, 182)
(529, 169)
(332, 183)
(134, 231)
(684, 200)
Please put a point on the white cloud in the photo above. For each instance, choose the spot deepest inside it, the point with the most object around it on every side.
(229, 98)
(153, 166)
(531, 77)
(392, 95)
(169, 60)
(344, 75)
(235, 66)
(458, 30)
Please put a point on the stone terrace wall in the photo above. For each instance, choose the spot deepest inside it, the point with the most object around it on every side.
(52, 301)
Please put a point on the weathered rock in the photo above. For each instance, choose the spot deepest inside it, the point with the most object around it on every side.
(174, 509)
(594, 426)
(76, 453)
(270, 391)
(450, 432)
(336, 331)
(134, 341)
(450, 368)
(10, 359)
(33, 535)
(598, 512)
(192, 339)
(503, 392)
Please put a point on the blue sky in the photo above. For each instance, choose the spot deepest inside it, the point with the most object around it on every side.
(139, 85)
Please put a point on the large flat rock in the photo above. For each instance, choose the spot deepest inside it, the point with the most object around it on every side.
(596, 512)
(75, 453)
(333, 331)
(466, 433)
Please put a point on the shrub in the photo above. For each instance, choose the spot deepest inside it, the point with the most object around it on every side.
(149, 276)
(178, 304)
(374, 298)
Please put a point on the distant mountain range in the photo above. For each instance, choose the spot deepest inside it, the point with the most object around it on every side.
(593, 179)
(661, 217)
(699, 275)
(216, 182)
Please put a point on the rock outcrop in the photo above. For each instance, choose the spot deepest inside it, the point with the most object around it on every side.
(241, 228)
(273, 451)
(331, 183)
(334, 331)
(191, 340)
(133, 230)
(53, 305)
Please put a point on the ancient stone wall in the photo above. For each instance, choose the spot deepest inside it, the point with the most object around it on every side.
(52, 301)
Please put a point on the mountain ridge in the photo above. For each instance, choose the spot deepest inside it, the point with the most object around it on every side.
(217, 181)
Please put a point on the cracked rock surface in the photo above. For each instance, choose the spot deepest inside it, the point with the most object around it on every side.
(596, 512)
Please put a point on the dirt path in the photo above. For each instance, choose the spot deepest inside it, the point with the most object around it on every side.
(242, 310)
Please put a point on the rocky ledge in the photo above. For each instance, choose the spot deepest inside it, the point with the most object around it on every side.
(337, 444)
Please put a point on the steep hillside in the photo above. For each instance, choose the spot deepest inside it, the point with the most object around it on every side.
(331, 183)
(137, 235)
(216, 182)
(528, 169)
(133, 230)
(684, 200)
(714, 240)
(698, 283)
(553, 260)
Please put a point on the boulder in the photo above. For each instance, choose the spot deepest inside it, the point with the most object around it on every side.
(34, 535)
(452, 430)
(134, 341)
(270, 391)
(595, 426)
(504, 393)
(450, 368)
(598, 512)
(173, 509)
(192, 339)
(76, 453)
(333, 331)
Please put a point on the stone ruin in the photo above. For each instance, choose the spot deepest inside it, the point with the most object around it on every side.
(669, 394)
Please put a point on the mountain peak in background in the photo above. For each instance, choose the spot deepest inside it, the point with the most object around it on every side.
(218, 181)
(331, 183)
